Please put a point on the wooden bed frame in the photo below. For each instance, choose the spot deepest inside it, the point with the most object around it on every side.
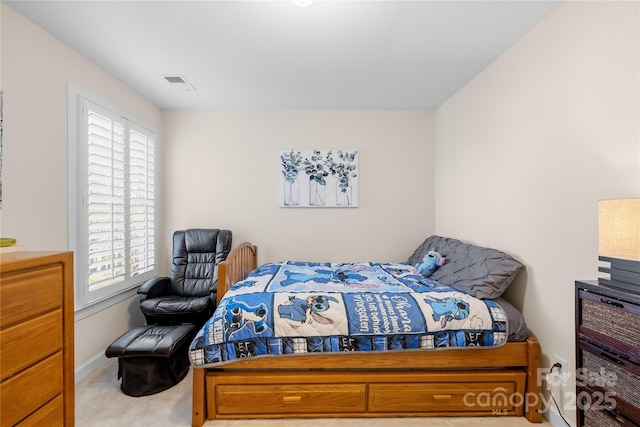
(456, 382)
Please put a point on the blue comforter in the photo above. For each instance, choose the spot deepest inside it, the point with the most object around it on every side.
(296, 307)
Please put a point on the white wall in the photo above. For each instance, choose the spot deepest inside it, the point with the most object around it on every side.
(35, 70)
(525, 151)
(222, 169)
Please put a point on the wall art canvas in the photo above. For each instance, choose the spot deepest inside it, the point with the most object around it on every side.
(319, 178)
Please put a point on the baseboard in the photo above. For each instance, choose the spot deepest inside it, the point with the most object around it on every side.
(556, 420)
(90, 366)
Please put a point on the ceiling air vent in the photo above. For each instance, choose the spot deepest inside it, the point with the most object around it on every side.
(179, 82)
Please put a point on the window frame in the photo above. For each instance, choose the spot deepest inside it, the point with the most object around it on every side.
(89, 302)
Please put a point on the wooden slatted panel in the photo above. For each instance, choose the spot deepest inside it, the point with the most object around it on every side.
(240, 261)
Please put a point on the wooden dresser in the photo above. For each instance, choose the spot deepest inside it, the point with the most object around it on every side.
(36, 339)
(607, 355)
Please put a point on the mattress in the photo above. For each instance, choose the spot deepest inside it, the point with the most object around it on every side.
(293, 308)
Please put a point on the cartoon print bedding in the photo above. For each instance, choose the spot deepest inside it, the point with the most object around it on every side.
(297, 307)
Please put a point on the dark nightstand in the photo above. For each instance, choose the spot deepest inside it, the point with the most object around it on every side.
(607, 355)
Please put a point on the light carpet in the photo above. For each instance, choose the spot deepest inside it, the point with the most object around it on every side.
(100, 403)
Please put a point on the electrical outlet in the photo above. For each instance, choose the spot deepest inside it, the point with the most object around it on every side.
(560, 373)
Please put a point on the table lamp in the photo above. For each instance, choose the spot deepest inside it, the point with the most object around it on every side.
(619, 243)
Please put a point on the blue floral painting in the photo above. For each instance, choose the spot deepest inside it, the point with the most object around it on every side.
(319, 178)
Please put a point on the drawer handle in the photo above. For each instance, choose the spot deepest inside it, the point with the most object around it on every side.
(291, 400)
(612, 358)
(441, 397)
(611, 302)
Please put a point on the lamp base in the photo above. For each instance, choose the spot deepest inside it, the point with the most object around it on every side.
(623, 273)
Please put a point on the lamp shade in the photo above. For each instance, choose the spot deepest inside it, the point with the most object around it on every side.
(619, 242)
(619, 228)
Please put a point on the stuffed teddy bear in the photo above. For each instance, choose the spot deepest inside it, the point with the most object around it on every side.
(430, 262)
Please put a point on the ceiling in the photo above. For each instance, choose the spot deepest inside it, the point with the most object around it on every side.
(371, 55)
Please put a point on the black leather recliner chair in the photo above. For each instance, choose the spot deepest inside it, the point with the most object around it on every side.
(190, 294)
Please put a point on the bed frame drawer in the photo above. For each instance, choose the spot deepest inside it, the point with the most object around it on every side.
(358, 393)
(495, 397)
(290, 398)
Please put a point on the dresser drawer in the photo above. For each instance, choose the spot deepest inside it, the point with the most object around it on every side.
(26, 343)
(454, 397)
(27, 391)
(602, 418)
(50, 415)
(611, 378)
(611, 321)
(29, 293)
(594, 412)
(290, 399)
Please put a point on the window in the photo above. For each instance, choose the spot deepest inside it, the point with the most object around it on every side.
(112, 212)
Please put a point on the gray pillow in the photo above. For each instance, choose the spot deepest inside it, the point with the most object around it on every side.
(517, 326)
(481, 272)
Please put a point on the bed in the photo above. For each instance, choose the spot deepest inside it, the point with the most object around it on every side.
(489, 372)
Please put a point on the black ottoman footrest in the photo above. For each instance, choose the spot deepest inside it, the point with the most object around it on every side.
(152, 358)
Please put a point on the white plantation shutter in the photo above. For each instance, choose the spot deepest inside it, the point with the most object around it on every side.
(105, 199)
(116, 246)
(142, 196)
